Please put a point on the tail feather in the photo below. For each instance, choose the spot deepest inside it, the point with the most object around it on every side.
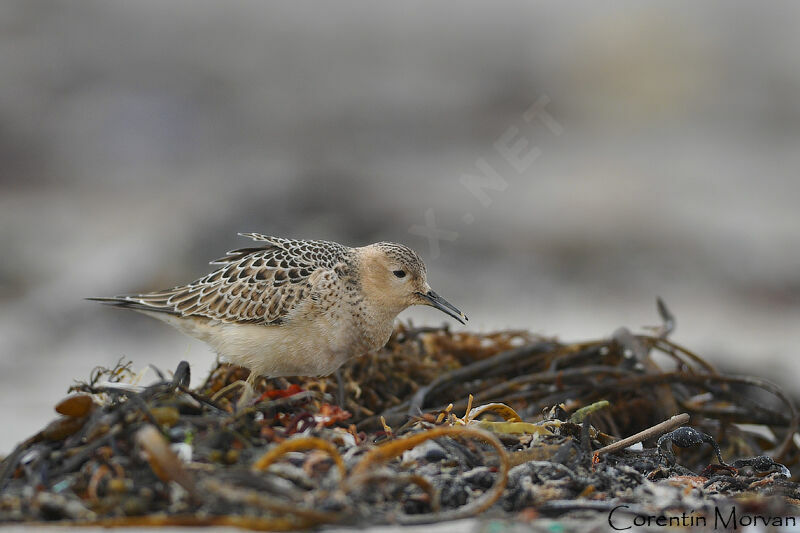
(135, 303)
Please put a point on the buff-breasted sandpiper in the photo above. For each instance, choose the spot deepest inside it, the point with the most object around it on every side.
(295, 307)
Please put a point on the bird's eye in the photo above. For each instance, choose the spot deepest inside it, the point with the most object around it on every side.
(399, 273)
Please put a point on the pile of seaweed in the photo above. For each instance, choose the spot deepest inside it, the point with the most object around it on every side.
(436, 426)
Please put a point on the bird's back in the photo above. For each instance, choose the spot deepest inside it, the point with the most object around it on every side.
(257, 285)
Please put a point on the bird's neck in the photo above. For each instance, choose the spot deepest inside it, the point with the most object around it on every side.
(377, 324)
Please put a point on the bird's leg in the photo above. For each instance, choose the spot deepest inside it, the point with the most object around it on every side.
(248, 390)
(226, 389)
(251, 383)
(339, 387)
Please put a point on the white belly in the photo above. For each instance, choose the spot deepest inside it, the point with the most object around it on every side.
(315, 347)
(284, 350)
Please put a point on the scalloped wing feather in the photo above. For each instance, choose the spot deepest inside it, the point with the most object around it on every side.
(252, 285)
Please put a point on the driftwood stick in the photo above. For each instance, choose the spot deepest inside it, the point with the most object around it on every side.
(655, 431)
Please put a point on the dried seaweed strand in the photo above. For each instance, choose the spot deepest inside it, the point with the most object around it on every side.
(502, 409)
(304, 443)
(10, 462)
(394, 448)
(414, 479)
(269, 503)
(703, 379)
(163, 461)
(254, 523)
(475, 369)
(660, 343)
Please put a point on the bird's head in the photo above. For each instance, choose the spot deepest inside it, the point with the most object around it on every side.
(394, 277)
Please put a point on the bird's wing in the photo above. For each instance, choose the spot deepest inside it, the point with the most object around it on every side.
(254, 285)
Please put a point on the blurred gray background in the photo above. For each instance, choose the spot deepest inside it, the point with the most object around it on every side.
(137, 138)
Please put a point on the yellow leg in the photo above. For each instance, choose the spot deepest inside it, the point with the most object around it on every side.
(227, 388)
(247, 393)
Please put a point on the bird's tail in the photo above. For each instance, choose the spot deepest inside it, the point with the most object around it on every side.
(137, 303)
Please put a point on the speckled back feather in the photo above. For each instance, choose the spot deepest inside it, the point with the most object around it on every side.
(253, 285)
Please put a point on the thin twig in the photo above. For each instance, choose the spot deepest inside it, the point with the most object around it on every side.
(649, 433)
